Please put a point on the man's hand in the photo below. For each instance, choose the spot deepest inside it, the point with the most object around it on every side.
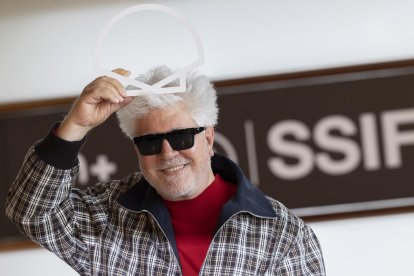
(99, 99)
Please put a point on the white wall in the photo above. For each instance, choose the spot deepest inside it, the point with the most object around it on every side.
(46, 52)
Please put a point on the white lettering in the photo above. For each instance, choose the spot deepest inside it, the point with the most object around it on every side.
(394, 138)
(228, 148)
(369, 141)
(277, 143)
(103, 168)
(251, 152)
(324, 139)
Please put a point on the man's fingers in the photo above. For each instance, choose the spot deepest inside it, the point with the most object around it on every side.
(116, 83)
(106, 88)
(110, 94)
(102, 91)
(108, 83)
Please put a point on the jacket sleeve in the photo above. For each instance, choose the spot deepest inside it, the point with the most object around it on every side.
(305, 257)
(43, 204)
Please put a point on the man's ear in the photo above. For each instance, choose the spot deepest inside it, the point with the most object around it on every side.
(210, 139)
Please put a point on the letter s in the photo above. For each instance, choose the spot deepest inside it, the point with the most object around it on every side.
(279, 145)
(347, 147)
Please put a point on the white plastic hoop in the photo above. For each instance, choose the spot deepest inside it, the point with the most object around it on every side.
(158, 87)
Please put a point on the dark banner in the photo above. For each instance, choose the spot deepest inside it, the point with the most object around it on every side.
(320, 145)
(327, 144)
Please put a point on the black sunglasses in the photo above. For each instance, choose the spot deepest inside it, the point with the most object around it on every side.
(180, 139)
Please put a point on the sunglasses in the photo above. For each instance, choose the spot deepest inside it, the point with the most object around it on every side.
(180, 139)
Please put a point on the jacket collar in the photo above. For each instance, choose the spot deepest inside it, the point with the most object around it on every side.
(248, 198)
(142, 197)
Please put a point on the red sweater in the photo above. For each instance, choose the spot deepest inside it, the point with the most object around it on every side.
(194, 222)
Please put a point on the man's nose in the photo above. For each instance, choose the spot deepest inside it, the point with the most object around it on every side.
(167, 152)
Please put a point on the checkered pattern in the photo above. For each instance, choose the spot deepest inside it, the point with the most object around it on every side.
(96, 235)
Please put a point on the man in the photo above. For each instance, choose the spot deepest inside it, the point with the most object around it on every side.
(190, 211)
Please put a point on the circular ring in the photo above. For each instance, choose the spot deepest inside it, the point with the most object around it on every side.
(159, 86)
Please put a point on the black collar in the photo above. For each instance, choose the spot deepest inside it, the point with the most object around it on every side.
(248, 198)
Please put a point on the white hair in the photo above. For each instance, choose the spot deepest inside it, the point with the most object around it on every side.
(199, 99)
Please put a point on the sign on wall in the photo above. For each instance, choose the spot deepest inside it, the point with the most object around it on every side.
(325, 144)
(320, 145)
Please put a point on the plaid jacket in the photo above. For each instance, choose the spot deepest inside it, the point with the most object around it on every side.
(122, 227)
